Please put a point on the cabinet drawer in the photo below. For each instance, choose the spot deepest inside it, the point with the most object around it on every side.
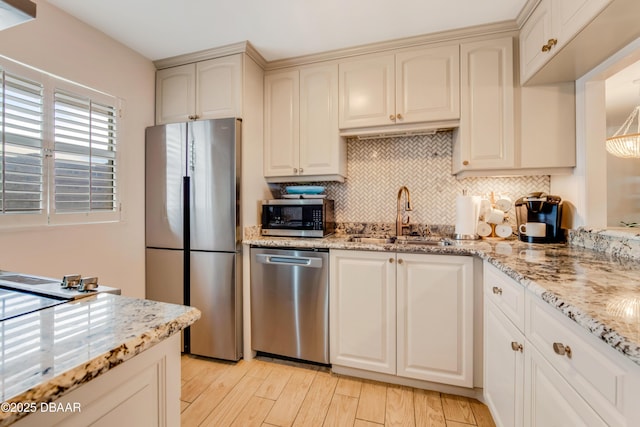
(585, 363)
(506, 294)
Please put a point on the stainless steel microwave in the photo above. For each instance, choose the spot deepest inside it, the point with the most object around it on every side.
(298, 217)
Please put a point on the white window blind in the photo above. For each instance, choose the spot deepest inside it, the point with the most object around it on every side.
(84, 154)
(21, 145)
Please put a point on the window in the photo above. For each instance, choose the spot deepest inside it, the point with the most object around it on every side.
(58, 157)
(21, 126)
(84, 155)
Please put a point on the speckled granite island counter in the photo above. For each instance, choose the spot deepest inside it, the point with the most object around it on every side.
(586, 285)
(54, 355)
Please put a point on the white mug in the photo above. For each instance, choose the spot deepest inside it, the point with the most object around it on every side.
(533, 229)
(495, 216)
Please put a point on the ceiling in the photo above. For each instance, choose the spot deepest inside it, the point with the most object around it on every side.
(279, 29)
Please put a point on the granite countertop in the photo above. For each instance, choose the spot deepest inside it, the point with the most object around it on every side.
(46, 354)
(594, 289)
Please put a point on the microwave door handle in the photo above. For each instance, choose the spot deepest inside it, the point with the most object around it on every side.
(289, 260)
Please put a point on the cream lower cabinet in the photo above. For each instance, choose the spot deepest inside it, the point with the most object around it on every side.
(409, 315)
(143, 391)
(362, 310)
(503, 368)
(541, 369)
(550, 400)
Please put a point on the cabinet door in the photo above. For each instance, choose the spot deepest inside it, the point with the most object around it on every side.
(363, 310)
(219, 87)
(486, 137)
(175, 94)
(535, 34)
(320, 146)
(571, 16)
(435, 318)
(281, 123)
(550, 400)
(367, 92)
(503, 368)
(428, 85)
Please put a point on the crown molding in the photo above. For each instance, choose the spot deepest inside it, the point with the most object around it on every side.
(407, 42)
(475, 32)
(526, 11)
(217, 52)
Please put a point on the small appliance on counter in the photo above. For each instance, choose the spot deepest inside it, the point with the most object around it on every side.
(303, 212)
(539, 217)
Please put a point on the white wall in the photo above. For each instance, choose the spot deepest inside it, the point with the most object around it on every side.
(60, 44)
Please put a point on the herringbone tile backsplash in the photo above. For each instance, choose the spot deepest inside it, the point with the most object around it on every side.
(376, 170)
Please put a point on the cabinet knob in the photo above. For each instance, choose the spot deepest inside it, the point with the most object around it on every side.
(295, 170)
(496, 290)
(516, 346)
(561, 349)
(550, 43)
(301, 170)
(400, 261)
(193, 117)
(390, 260)
(392, 117)
(399, 116)
(465, 163)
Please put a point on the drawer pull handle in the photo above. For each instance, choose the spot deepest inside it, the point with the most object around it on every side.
(496, 290)
(516, 346)
(561, 349)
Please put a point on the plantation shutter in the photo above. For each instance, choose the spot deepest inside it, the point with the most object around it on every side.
(84, 154)
(21, 150)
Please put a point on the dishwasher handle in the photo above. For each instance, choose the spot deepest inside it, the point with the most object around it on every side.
(289, 260)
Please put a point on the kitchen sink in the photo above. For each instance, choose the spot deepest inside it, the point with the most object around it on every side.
(404, 240)
(372, 239)
(423, 241)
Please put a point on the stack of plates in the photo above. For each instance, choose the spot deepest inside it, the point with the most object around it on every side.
(304, 192)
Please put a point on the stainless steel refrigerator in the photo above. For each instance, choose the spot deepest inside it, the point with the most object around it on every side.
(193, 229)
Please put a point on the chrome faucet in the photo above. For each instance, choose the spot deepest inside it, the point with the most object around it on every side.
(400, 224)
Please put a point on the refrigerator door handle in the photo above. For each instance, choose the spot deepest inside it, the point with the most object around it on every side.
(289, 260)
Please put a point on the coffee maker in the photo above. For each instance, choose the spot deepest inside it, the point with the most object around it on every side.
(539, 216)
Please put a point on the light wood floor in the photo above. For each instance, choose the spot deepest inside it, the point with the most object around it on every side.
(269, 393)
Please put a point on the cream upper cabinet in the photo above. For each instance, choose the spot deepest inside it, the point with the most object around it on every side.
(175, 94)
(408, 87)
(550, 27)
(301, 140)
(418, 307)
(367, 92)
(485, 139)
(203, 90)
(219, 87)
(281, 123)
(428, 85)
(435, 318)
(322, 151)
(363, 310)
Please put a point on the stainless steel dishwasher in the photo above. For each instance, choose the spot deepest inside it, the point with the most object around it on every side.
(290, 303)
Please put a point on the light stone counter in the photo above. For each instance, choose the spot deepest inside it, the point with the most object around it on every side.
(598, 290)
(48, 353)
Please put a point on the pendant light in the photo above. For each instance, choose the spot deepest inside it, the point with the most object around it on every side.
(625, 144)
